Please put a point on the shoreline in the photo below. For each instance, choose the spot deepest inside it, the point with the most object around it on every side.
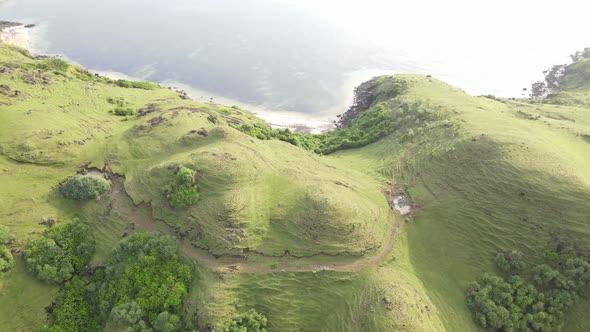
(17, 34)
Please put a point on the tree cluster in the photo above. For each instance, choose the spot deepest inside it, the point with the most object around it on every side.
(512, 304)
(141, 288)
(62, 251)
(554, 76)
(84, 187)
(183, 192)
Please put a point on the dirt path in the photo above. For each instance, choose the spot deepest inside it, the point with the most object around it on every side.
(140, 215)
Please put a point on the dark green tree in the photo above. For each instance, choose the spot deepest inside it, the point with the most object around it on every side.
(62, 251)
(84, 187)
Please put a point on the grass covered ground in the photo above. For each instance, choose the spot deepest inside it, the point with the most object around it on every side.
(303, 238)
(503, 175)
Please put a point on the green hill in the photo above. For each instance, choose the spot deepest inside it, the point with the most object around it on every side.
(309, 240)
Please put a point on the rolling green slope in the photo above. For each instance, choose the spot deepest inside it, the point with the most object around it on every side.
(505, 175)
(265, 207)
(308, 240)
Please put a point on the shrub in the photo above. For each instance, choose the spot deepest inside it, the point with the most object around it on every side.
(84, 187)
(5, 236)
(137, 84)
(6, 259)
(183, 192)
(62, 251)
(123, 111)
(250, 321)
(119, 101)
(510, 261)
(53, 64)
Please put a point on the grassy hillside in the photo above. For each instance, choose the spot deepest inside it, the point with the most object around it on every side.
(505, 175)
(264, 207)
(308, 240)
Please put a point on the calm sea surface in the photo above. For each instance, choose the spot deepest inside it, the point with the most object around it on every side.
(291, 56)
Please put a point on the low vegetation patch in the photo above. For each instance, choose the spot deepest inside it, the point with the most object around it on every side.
(137, 84)
(54, 65)
(141, 288)
(183, 192)
(123, 111)
(84, 187)
(368, 127)
(60, 252)
(119, 101)
(250, 321)
(6, 259)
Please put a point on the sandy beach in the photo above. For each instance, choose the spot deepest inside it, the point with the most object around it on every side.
(16, 35)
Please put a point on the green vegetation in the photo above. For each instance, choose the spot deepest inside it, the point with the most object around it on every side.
(393, 116)
(512, 304)
(146, 269)
(302, 237)
(74, 309)
(142, 287)
(6, 259)
(137, 84)
(183, 192)
(62, 251)
(84, 187)
(123, 111)
(250, 321)
(510, 261)
(53, 64)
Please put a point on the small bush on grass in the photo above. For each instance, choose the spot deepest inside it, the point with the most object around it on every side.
(54, 65)
(183, 192)
(62, 251)
(123, 111)
(510, 262)
(119, 101)
(6, 259)
(137, 84)
(250, 321)
(84, 187)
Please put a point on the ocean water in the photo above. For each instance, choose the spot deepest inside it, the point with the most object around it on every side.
(305, 57)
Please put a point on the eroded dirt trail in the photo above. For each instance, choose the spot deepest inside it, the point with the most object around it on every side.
(141, 216)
